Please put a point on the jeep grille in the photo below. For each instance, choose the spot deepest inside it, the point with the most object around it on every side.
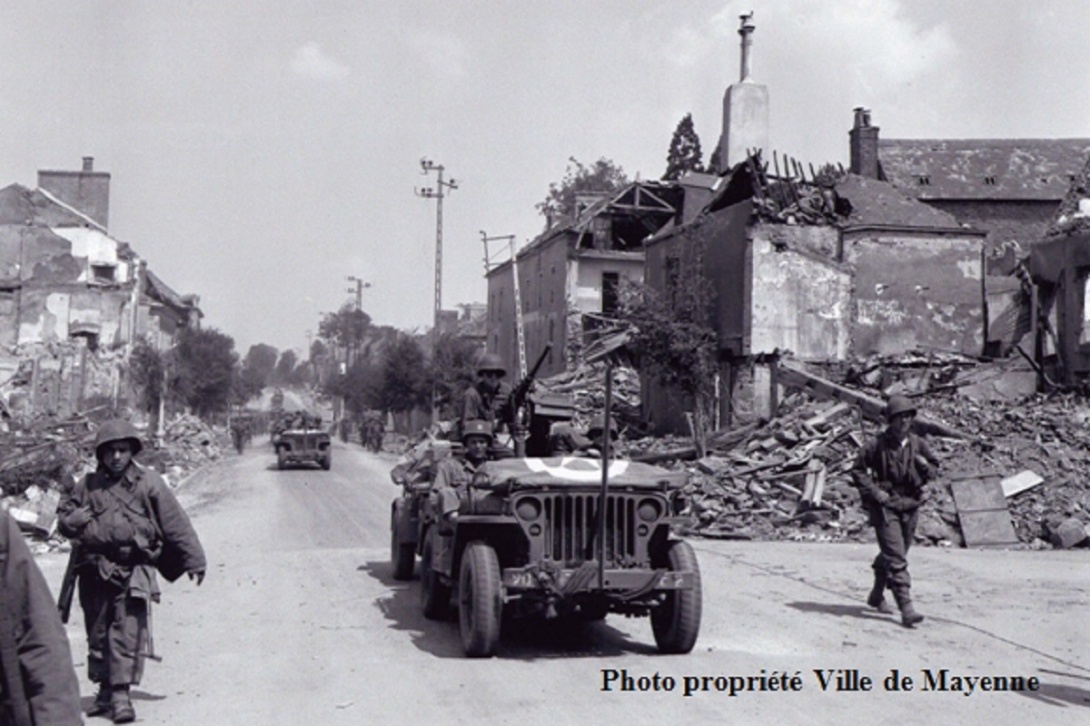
(571, 521)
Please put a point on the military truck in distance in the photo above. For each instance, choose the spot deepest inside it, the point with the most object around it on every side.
(532, 540)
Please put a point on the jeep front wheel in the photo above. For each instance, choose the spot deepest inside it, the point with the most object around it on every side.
(480, 601)
(402, 555)
(326, 460)
(434, 594)
(676, 623)
(281, 458)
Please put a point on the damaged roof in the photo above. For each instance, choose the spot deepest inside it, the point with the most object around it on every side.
(20, 205)
(998, 169)
(874, 202)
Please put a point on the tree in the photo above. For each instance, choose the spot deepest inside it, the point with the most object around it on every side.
(285, 367)
(685, 154)
(260, 361)
(714, 163)
(345, 328)
(145, 369)
(671, 328)
(204, 369)
(405, 384)
(454, 370)
(603, 176)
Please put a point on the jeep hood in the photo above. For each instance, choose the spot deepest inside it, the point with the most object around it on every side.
(578, 472)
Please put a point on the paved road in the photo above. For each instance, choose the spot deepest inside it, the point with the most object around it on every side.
(299, 622)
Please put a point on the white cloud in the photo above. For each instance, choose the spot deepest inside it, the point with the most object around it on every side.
(310, 61)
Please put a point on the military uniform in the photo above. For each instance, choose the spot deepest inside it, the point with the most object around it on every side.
(38, 684)
(451, 479)
(128, 525)
(890, 472)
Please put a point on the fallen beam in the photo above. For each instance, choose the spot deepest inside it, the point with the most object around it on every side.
(791, 374)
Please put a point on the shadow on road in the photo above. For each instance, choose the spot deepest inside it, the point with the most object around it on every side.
(526, 639)
(1058, 694)
(838, 609)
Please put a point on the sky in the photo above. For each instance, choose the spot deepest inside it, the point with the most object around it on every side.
(262, 152)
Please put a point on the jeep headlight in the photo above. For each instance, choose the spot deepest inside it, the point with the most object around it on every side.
(528, 508)
(649, 510)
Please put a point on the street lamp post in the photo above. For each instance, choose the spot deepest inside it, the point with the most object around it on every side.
(353, 333)
(437, 194)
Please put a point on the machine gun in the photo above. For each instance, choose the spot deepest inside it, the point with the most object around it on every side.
(516, 401)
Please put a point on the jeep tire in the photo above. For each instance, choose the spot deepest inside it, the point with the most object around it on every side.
(402, 555)
(326, 461)
(480, 600)
(676, 623)
(281, 458)
(434, 594)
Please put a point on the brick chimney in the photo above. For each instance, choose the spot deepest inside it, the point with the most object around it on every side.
(86, 190)
(863, 142)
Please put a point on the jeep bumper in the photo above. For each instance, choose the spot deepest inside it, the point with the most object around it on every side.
(531, 578)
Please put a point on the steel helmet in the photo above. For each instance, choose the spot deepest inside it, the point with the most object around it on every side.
(115, 430)
(899, 404)
(597, 424)
(491, 362)
(477, 428)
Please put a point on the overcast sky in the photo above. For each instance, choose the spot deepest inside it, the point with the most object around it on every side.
(261, 152)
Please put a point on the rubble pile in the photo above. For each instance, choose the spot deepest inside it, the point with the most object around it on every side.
(42, 457)
(586, 385)
(789, 478)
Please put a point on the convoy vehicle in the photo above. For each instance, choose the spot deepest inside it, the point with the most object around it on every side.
(302, 444)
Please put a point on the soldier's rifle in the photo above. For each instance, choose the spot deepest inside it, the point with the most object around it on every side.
(68, 585)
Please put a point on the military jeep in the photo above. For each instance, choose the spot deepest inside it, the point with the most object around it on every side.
(301, 445)
(533, 539)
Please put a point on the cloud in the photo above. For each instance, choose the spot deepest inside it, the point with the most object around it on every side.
(310, 61)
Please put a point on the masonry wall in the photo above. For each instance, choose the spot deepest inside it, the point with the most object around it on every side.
(916, 291)
(801, 299)
(1024, 222)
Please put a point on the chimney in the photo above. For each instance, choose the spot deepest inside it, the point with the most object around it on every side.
(746, 31)
(745, 108)
(86, 190)
(863, 142)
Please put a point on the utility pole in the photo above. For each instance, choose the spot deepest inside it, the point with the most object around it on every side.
(437, 194)
(353, 331)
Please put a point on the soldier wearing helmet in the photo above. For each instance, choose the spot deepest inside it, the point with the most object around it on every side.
(891, 473)
(488, 398)
(565, 440)
(127, 524)
(454, 474)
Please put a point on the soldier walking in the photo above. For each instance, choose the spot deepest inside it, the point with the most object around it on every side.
(891, 472)
(125, 523)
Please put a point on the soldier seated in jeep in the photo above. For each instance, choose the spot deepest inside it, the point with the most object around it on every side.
(454, 474)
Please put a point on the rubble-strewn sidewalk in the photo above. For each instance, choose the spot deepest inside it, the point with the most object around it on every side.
(42, 457)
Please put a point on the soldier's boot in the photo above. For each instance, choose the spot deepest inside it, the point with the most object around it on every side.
(909, 616)
(877, 598)
(102, 704)
(123, 711)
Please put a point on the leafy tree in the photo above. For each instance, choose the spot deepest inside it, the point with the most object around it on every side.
(285, 367)
(685, 154)
(454, 370)
(260, 361)
(204, 369)
(602, 176)
(405, 384)
(361, 387)
(247, 384)
(346, 328)
(145, 369)
(671, 328)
